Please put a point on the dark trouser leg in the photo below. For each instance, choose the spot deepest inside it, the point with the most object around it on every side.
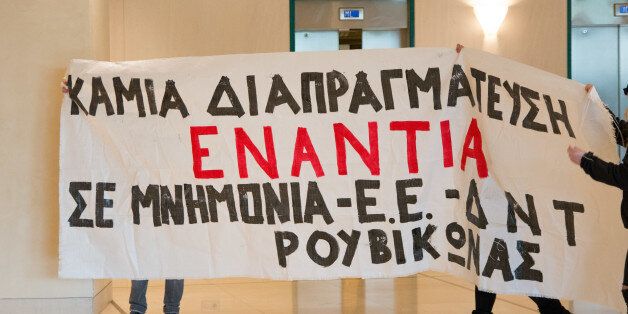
(549, 306)
(172, 296)
(484, 302)
(137, 299)
(624, 289)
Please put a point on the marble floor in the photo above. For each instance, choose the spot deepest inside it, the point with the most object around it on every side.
(428, 292)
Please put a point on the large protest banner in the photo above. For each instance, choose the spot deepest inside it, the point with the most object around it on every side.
(326, 165)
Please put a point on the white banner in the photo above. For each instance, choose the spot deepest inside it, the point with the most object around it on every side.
(325, 165)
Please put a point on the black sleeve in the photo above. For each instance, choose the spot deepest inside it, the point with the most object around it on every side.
(621, 129)
(605, 172)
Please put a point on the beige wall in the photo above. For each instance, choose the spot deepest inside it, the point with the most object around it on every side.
(171, 28)
(534, 32)
(99, 29)
(38, 39)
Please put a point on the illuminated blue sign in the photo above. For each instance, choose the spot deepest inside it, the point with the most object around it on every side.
(351, 14)
(621, 9)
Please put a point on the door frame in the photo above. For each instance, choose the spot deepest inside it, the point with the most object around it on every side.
(569, 39)
(410, 23)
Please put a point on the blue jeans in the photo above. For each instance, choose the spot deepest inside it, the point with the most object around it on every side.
(172, 296)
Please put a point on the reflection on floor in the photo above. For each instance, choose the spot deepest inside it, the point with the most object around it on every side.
(427, 292)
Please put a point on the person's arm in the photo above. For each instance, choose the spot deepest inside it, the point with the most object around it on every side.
(620, 126)
(621, 130)
(600, 170)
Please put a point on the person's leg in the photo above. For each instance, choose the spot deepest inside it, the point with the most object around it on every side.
(137, 299)
(172, 296)
(624, 289)
(484, 302)
(549, 306)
